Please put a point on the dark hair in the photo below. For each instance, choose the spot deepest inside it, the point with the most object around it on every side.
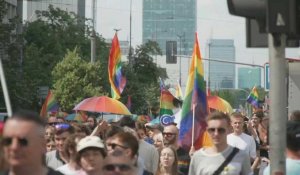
(94, 119)
(295, 115)
(259, 114)
(129, 141)
(127, 121)
(141, 126)
(113, 130)
(29, 116)
(293, 135)
(218, 116)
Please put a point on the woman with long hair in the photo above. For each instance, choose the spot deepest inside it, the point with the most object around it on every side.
(167, 162)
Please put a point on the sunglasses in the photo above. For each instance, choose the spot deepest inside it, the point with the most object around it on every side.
(114, 145)
(168, 134)
(213, 130)
(7, 141)
(62, 126)
(53, 123)
(113, 167)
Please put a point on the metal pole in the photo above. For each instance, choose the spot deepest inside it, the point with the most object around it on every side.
(180, 41)
(93, 36)
(5, 91)
(278, 106)
(130, 22)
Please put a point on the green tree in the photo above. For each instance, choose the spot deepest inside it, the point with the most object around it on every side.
(76, 79)
(45, 43)
(143, 78)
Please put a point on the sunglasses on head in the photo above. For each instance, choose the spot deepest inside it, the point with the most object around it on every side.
(62, 126)
(168, 134)
(113, 167)
(114, 145)
(7, 141)
(213, 130)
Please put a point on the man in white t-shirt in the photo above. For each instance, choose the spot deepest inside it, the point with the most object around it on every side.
(238, 138)
(207, 160)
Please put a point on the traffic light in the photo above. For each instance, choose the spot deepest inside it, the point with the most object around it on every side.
(272, 16)
(171, 52)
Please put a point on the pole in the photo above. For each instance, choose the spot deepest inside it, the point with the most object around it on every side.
(193, 124)
(93, 35)
(5, 91)
(278, 106)
(130, 22)
(180, 41)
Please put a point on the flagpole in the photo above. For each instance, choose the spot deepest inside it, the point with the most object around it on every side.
(193, 125)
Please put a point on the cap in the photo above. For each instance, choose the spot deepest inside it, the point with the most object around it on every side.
(88, 142)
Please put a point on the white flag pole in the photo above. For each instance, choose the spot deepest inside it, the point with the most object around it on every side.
(193, 124)
(5, 91)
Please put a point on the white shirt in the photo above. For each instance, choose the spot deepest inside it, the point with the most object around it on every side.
(243, 142)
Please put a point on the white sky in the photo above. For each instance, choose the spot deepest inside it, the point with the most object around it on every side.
(213, 21)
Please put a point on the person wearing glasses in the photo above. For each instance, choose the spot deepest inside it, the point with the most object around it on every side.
(208, 160)
(58, 157)
(91, 154)
(117, 163)
(170, 138)
(24, 145)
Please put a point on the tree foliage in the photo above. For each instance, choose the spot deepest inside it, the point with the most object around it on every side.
(76, 79)
(44, 43)
(143, 78)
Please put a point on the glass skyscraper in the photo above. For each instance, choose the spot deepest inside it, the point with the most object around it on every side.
(170, 20)
(221, 75)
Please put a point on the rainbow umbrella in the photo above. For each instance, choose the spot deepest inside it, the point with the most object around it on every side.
(219, 104)
(102, 104)
(76, 117)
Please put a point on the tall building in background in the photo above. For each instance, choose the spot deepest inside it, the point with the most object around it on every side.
(249, 77)
(11, 6)
(221, 75)
(76, 6)
(170, 20)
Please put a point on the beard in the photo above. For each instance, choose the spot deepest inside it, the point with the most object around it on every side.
(169, 141)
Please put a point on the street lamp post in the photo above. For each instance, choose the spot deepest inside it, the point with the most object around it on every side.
(180, 42)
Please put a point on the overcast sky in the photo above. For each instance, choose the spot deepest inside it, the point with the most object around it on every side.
(213, 21)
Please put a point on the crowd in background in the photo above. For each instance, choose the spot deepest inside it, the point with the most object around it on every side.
(29, 144)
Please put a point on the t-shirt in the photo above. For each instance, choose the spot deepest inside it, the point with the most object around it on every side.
(65, 169)
(50, 172)
(183, 160)
(53, 159)
(149, 156)
(206, 164)
(292, 167)
(243, 142)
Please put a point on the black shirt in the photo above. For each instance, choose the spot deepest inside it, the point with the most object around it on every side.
(183, 161)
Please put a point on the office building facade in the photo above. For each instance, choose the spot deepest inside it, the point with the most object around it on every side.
(221, 75)
(76, 6)
(170, 20)
(249, 77)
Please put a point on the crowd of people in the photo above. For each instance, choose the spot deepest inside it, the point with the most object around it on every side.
(239, 145)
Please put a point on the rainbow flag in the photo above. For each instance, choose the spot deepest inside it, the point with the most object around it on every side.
(116, 79)
(167, 102)
(195, 95)
(253, 98)
(50, 105)
(128, 104)
(178, 93)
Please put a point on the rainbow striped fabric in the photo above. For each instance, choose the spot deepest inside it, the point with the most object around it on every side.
(195, 95)
(116, 79)
(50, 105)
(253, 97)
(167, 101)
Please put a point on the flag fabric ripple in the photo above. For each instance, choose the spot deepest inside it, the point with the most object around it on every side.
(195, 94)
(50, 105)
(253, 98)
(116, 79)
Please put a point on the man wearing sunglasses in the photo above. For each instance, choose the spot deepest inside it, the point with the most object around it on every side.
(208, 160)
(24, 145)
(119, 164)
(170, 137)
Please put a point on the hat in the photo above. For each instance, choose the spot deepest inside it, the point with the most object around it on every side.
(88, 142)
